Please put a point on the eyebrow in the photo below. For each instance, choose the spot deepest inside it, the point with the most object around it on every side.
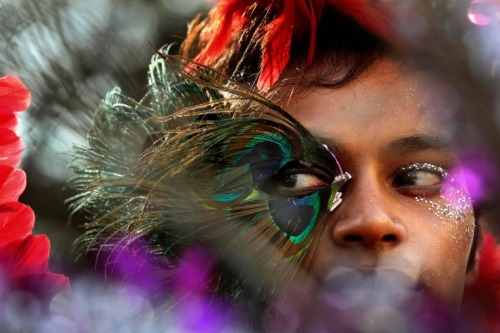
(401, 146)
(418, 142)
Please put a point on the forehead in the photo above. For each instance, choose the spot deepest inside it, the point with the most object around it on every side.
(387, 101)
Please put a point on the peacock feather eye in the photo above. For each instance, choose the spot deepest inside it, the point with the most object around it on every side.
(296, 194)
(266, 146)
(296, 218)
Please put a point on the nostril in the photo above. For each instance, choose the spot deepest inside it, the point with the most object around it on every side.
(353, 238)
(389, 238)
(359, 239)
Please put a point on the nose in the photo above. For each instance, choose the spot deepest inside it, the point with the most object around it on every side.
(367, 217)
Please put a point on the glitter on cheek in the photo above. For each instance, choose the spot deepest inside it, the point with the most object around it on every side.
(454, 204)
(455, 208)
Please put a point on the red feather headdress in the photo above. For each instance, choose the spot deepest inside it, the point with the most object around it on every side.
(288, 19)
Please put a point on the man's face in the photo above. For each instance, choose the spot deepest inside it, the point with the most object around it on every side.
(404, 210)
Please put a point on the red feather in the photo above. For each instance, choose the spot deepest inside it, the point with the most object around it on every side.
(276, 46)
(294, 19)
(313, 18)
(225, 19)
(297, 18)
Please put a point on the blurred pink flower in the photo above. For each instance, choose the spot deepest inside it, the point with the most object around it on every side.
(479, 173)
(484, 12)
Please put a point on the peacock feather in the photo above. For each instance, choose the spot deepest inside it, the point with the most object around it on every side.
(204, 160)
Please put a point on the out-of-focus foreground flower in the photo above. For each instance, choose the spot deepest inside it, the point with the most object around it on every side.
(23, 256)
(481, 304)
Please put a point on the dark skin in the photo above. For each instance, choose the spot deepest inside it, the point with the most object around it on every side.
(395, 215)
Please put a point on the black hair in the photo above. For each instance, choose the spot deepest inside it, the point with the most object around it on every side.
(343, 48)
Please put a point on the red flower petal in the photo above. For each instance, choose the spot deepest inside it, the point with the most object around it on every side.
(56, 281)
(25, 257)
(8, 121)
(16, 222)
(23, 264)
(14, 96)
(11, 148)
(44, 286)
(12, 183)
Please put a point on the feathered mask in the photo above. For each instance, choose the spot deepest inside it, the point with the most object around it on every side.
(203, 160)
(278, 23)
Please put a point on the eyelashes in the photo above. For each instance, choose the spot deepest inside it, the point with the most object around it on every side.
(420, 179)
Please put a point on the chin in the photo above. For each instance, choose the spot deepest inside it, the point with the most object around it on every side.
(368, 301)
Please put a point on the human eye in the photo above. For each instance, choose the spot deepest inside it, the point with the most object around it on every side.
(299, 182)
(298, 198)
(419, 179)
(297, 179)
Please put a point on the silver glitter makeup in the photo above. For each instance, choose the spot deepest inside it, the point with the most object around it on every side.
(454, 202)
(426, 166)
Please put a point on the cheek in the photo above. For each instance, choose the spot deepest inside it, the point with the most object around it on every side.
(453, 207)
(448, 222)
(321, 255)
(445, 240)
(453, 223)
(450, 215)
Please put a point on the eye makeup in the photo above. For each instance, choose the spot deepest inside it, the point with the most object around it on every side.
(419, 180)
(425, 166)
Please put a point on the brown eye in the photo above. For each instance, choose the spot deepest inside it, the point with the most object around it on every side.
(419, 179)
(296, 180)
(297, 185)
